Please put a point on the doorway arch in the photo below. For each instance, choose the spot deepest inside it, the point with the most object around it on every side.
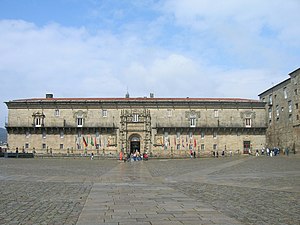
(135, 143)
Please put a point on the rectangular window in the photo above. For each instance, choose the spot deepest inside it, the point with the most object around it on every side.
(191, 135)
(178, 135)
(61, 146)
(248, 122)
(296, 106)
(44, 134)
(27, 134)
(215, 147)
(26, 145)
(270, 113)
(296, 92)
(61, 134)
(202, 134)
(97, 146)
(79, 122)
(285, 93)
(215, 134)
(43, 146)
(216, 113)
(178, 146)
(290, 106)
(135, 118)
(104, 113)
(270, 100)
(56, 112)
(277, 110)
(202, 147)
(192, 122)
(38, 121)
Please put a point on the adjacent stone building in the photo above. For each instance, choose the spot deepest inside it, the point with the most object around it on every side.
(163, 127)
(283, 112)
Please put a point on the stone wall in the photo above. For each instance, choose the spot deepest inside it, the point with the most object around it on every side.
(164, 129)
(283, 111)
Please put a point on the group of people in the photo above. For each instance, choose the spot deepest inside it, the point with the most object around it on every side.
(136, 156)
(193, 154)
(216, 154)
(271, 151)
(268, 152)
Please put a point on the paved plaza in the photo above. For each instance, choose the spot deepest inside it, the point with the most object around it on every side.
(232, 190)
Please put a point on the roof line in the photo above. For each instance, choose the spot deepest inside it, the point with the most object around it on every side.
(274, 86)
(138, 99)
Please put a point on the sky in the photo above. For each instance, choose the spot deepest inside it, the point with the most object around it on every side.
(172, 48)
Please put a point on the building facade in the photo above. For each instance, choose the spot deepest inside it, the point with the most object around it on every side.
(283, 112)
(163, 127)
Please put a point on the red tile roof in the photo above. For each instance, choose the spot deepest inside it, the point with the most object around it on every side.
(138, 99)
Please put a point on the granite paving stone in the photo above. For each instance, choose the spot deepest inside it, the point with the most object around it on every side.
(229, 190)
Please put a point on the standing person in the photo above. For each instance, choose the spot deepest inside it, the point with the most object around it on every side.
(257, 154)
(92, 156)
(191, 153)
(194, 154)
(287, 151)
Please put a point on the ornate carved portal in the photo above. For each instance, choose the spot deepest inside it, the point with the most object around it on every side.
(135, 124)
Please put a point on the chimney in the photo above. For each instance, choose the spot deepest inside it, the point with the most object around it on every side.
(49, 95)
(151, 95)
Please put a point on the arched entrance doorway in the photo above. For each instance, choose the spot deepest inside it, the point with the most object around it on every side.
(135, 144)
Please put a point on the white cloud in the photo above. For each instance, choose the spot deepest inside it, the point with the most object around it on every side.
(253, 32)
(228, 50)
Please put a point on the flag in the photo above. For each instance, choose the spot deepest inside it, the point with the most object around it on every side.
(92, 142)
(95, 141)
(174, 141)
(195, 143)
(84, 142)
(77, 142)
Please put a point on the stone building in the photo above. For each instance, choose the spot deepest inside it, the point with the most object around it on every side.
(164, 127)
(283, 112)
